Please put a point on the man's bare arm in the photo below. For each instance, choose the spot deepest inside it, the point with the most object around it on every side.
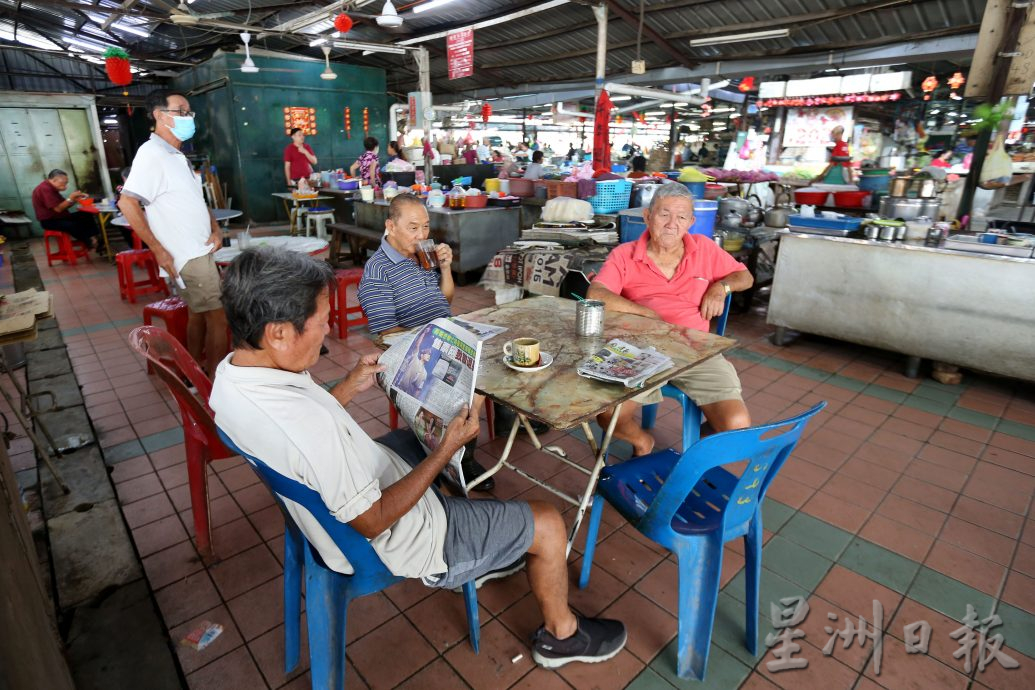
(399, 498)
(613, 302)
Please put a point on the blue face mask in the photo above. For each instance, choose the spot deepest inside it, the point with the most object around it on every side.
(183, 127)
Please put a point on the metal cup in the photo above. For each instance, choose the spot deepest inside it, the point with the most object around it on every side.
(589, 318)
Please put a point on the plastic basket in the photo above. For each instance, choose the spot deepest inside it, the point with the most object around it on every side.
(611, 196)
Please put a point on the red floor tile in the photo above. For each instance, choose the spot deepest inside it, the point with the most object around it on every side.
(911, 543)
(234, 671)
(969, 568)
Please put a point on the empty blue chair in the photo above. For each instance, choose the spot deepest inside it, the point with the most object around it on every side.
(328, 592)
(692, 506)
(691, 412)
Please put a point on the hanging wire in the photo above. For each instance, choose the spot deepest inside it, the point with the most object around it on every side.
(639, 31)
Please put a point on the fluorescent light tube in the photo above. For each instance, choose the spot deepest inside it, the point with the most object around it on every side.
(375, 47)
(738, 38)
(317, 41)
(424, 7)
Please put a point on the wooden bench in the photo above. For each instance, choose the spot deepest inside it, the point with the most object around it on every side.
(359, 240)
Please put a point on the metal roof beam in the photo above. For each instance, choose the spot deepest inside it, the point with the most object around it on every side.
(659, 40)
(940, 48)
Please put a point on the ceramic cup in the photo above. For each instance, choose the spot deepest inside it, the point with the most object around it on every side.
(523, 352)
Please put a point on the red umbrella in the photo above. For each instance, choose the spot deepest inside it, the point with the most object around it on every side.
(601, 132)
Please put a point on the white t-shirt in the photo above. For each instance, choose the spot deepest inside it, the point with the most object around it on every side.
(534, 171)
(164, 182)
(301, 431)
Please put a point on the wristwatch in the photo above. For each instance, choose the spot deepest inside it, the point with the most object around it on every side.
(726, 287)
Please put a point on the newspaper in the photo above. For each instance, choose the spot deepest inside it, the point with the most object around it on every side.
(429, 377)
(620, 362)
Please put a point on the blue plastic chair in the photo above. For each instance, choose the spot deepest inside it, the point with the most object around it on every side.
(328, 592)
(692, 506)
(691, 412)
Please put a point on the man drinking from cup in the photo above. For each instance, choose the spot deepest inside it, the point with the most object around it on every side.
(683, 279)
(401, 289)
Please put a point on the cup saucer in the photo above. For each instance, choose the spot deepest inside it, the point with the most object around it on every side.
(545, 360)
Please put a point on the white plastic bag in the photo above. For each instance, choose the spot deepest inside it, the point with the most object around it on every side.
(998, 167)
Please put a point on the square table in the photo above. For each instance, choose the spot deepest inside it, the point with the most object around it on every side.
(557, 395)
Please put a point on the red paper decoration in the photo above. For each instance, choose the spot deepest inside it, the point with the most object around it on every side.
(116, 64)
(957, 80)
(746, 84)
(830, 100)
(343, 23)
(348, 123)
(618, 119)
(486, 112)
(366, 122)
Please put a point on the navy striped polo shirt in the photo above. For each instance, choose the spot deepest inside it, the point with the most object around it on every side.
(396, 291)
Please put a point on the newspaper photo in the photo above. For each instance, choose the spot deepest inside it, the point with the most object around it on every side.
(620, 362)
(429, 377)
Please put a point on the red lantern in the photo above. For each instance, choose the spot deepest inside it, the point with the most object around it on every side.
(957, 80)
(618, 119)
(343, 23)
(928, 85)
(116, 64)
(486, 112)
(746, 84)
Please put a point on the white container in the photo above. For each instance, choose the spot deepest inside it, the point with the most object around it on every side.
(504, 186)
(917, 229)
(366, 194)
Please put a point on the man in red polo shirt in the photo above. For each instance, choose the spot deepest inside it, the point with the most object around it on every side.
(299, 159)
(683, 279)
(53, 210)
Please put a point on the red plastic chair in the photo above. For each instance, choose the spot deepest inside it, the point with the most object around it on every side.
(173, 312)
(129, 286)
(340, 309)
(173, 364)
(68, 250)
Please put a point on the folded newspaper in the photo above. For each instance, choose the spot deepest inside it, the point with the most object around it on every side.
(620, 362)
(430, 375)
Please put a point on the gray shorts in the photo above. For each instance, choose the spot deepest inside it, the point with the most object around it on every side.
(481, 535)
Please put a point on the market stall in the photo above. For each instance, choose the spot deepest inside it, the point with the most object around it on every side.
(924, 302)
(475, 235)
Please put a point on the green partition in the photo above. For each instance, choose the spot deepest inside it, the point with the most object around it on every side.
(241, 120)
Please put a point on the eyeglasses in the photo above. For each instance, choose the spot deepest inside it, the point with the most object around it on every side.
(189, 113)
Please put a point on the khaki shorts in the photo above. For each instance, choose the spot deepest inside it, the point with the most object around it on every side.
(203, 291)
(711, 381)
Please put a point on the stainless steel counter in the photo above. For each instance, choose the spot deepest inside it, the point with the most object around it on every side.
(965, 308)
(475, 234)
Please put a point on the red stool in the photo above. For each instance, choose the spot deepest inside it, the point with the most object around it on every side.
(340, 309)
(129, 286)
(173, 311)
(66, 250)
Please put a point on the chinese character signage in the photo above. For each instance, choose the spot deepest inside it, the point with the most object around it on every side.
(460, 53)
(303, 118)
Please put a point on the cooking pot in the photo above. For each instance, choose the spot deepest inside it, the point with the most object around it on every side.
(754, 211)
(732, 204)
(899, 185)
(909, 209)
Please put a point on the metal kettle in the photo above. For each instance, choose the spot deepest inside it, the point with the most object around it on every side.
(779, 216)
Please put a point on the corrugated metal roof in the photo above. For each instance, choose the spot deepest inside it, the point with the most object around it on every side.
(555, 45)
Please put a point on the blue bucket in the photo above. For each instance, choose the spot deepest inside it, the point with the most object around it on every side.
(696, 188)
(705, 211)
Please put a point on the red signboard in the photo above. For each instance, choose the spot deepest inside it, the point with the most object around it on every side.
(460, 53)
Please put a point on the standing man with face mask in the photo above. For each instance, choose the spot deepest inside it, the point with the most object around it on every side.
(164, 204)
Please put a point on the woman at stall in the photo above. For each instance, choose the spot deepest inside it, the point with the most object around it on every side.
(299, 158)
(365, 167)
(393, 152)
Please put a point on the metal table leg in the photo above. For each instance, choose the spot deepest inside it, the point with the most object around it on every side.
(16, 407)
(103, 218)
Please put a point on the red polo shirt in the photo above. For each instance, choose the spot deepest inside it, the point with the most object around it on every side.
(631, 273)
(300, 166)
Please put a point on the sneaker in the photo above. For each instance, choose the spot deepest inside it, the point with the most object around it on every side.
(473, 469)
(498, 574)
(597, 639)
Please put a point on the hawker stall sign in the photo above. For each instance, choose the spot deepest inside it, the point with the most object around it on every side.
(460, 53)
(303, 118)
(811, 126)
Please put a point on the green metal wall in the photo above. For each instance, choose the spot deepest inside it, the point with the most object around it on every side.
(241, 121)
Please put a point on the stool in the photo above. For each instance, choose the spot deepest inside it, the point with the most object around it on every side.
(66, 250)
(319, 215)
(129, 287)
(340, 308)
(173, 311)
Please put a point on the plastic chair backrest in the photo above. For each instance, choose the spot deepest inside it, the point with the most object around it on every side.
(173, 363)
(360, 554)
(764, 447)
(721, 319)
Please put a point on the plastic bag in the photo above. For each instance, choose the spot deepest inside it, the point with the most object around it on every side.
(998, 167)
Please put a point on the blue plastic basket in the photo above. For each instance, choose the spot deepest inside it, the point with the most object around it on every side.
(611, 196)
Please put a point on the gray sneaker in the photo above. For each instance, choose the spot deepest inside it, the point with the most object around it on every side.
(595, 640)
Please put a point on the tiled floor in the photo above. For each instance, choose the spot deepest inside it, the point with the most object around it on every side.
(906, 492)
